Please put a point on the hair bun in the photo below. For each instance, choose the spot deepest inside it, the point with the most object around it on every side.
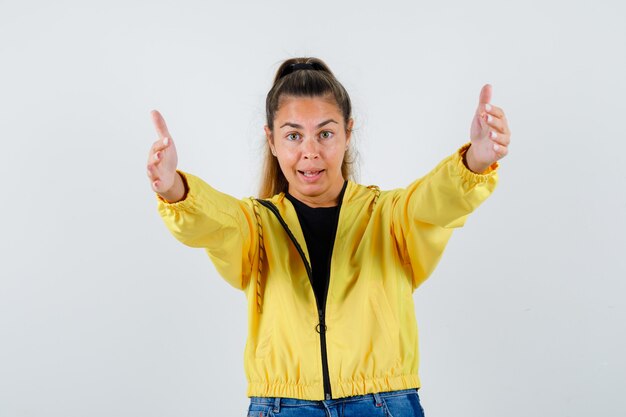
(313, 66)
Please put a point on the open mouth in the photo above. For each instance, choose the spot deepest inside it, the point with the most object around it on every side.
(311, 175)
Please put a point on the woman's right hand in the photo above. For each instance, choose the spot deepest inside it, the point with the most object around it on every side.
(162, 162)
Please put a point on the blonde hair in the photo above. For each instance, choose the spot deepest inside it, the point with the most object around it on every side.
(316, 81)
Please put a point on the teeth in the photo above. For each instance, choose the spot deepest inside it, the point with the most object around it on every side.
(310, 173)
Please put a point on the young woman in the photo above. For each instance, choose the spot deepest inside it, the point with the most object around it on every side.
(328, 266)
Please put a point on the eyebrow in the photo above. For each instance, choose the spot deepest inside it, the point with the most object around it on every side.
(297, 126)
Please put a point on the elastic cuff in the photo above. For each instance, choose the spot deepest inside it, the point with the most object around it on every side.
(468, 174)
(182, 203)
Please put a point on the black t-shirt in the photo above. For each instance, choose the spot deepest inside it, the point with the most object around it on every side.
(319, 225)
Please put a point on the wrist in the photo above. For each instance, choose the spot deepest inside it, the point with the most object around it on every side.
(469, 159)
(177, 192)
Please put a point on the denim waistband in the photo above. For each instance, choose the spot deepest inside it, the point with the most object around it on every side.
(295, 402)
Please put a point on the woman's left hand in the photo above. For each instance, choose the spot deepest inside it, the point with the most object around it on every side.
(489, 133)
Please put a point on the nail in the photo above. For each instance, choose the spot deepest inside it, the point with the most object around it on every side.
(493, 135)
(166, 140)
(156, 156)
(487, 107)
(489, 118)
(495, 147)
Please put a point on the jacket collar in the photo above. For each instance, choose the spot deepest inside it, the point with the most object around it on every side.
(288, 213)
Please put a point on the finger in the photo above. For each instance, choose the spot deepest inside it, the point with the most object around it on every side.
(500, 138)
(503, 138)
(495, 111)
(154, 164)
(501, 151)
(485, 94)
(497, 124)
(153, 172)
(161, 144)
(155, 185)
(159, 124)
(155, 180)
(498, 120)
(155, 157)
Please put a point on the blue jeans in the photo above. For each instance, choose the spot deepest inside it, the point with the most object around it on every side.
(401, 403)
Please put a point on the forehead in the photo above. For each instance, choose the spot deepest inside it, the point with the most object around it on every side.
(307, 109)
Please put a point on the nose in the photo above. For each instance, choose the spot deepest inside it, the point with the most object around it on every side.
(310, 149)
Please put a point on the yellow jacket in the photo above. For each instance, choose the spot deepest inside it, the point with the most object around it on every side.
(387, 244)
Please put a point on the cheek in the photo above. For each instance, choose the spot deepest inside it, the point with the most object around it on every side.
(336, 154)
(287, 161)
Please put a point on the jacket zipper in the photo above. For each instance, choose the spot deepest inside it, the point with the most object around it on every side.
(321, 310)
(327, 390)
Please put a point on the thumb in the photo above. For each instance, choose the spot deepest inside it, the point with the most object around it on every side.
(159, 124)
(485, 94)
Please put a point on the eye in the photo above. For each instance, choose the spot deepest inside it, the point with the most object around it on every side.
(326, 134)
(293, 136)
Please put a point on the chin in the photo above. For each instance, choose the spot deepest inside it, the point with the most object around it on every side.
(311, 190)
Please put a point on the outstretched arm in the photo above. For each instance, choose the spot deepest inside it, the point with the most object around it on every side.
(427, 211)
(200, 216)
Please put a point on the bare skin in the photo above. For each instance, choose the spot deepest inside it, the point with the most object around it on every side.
(489, 133)
(162, 162)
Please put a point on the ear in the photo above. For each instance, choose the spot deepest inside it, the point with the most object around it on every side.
(349, 131)
(270, 139)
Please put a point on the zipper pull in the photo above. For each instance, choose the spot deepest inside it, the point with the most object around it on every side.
(319, 328)
(321, 325)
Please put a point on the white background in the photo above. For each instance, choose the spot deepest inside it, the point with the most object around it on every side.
(104, 313)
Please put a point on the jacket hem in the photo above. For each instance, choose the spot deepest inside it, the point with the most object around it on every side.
(347, 388)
